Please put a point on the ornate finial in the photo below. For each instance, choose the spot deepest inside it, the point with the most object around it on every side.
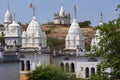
(75, 10)
(101, 17)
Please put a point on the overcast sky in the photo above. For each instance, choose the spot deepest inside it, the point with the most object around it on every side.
(45, 9)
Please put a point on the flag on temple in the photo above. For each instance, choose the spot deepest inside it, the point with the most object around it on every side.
(31, 6)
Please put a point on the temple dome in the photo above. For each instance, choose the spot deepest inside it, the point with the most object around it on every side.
(8, 16)
(74, 28)
(62, 12)
(34, 35)
(74, 37)
(33, 26)
(14, 25)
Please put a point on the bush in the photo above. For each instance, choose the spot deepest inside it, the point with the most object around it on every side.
(47, 73)
(55, 43)
(99, 77)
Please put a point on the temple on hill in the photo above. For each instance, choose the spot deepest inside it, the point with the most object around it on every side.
(62, 17)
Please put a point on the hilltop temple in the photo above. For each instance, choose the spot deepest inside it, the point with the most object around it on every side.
(61, 17)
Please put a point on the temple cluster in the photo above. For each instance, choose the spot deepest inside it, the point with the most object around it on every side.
(31, 48)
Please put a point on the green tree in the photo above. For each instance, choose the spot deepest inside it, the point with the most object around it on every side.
(47, 73)
(109, 49)
(55, 43)
(1, 25)
(85, 24)
(2, 39)
(99, 77)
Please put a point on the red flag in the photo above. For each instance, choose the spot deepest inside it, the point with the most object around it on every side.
(31, 6)
(74, 7)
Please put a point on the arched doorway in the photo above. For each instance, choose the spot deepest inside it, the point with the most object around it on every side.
(22, 66)
(28, 65)
(62, 66)
(67, 67)
(87, 72)
(72, 67)
(92, 71)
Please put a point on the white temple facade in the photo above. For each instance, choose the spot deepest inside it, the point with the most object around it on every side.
(61, 17)
(33, 36)
(13, 31)
(13, 34)
(96, 39)
(34, 48)
(29, 45)
(73, 59)
(74, 39)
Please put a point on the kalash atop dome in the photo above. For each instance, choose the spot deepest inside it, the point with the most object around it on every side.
(33, 36)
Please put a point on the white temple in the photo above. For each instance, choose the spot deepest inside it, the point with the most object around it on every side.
(34, 36)
(61, 17)
(7, 18)
(73, 58)
(74, 39)
(29, 45)
(97, 37)
(13, 31)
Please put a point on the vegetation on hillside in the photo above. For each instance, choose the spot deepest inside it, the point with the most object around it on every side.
(55, 43)
(85, 24)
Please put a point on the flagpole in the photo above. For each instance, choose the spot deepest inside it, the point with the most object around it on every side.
(33, 8)
(14, 16)
(33, 11)
(75, 14)
(101, 17)
(75, 11)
